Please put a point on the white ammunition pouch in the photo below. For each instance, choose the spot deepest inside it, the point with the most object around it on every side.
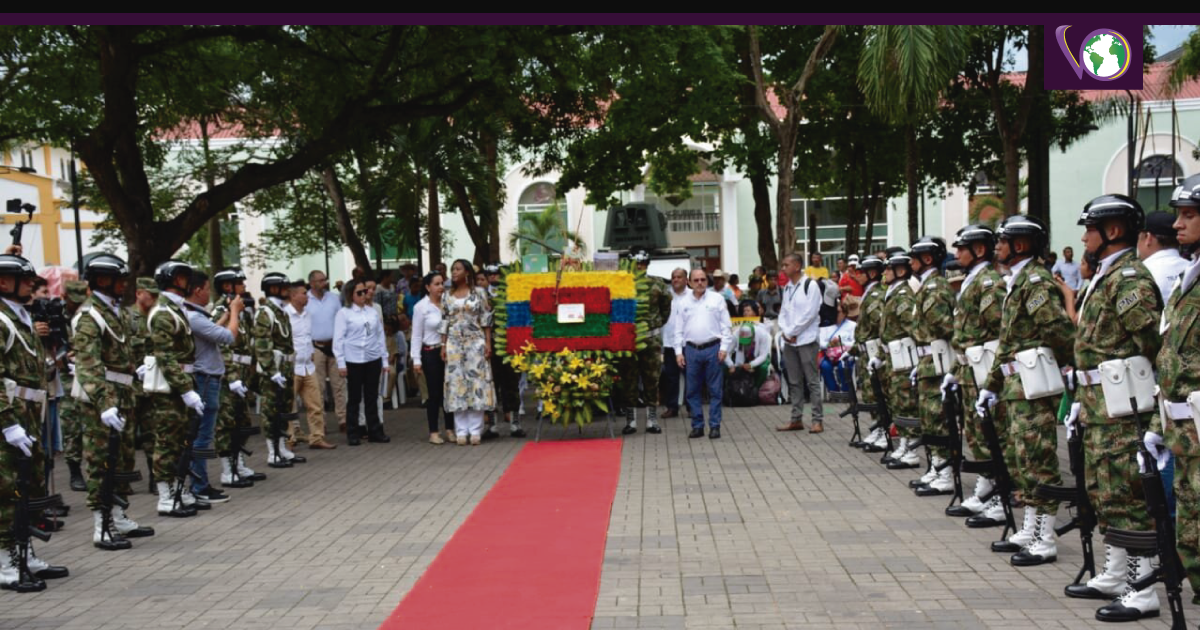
(874, 349)
(1178, 412)
(902, 353)
(1039, 372)
(154, 382)
(943, 356)
(77, 391)
(1125, 379)
(981, 359)
(1193, 402)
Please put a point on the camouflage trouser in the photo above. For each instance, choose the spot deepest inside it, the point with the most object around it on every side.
(976, 443)
(230, 417)
(1031, 449)
(96, 438)
(9, 457)
(902, 399)
(929, 398)
(507, 384)
(1187, 497)
(1110, 466)
(644, 367)
(72, 425)
(862, 382)
(169, 416)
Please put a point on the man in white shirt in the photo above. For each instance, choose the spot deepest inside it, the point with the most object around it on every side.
(322, 308)
(669, 383)
(799, 322)
(703, 327)
(1068, 269)
(307, 386)
(1159, 251)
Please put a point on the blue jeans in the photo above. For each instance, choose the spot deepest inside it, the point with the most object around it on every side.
(209, 388)
(703, 369)
(54, 438)
(836, 375)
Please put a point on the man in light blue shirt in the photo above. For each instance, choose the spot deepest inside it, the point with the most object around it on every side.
(322, 309)
(1068, 269)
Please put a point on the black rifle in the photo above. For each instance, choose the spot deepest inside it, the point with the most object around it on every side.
(884, 416)
(239, 432)
(108, 492)
(1003, 482)
(850, 397)
(1162, 539)
(282, 415)
(952, 442)
(183, 466)
(1083, 515)
(23, 527)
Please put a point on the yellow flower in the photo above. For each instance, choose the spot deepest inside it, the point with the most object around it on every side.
(583, 382)
(566, 378)
(576, 363)
(538, 370)
(550, 408)
(566, 352)
(597, 370)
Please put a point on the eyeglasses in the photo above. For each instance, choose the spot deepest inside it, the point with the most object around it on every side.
(360, 292)
(699, 279)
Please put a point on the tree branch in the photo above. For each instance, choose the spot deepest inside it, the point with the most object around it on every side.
(760, 89)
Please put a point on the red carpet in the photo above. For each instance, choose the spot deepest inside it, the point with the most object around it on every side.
(529, 556)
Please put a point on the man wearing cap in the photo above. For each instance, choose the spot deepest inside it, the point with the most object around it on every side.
(1179, 384)
(68, 409)
(1159, 251)
(850, 284)
(645, 366)
(721, 286)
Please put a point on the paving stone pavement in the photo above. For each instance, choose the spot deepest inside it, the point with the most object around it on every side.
(756, 530)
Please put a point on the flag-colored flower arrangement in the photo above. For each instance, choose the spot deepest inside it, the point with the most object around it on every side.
(571, 387)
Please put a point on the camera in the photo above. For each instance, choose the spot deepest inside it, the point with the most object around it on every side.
(53, 312)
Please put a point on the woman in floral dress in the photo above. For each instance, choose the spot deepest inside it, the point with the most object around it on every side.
(467, 349)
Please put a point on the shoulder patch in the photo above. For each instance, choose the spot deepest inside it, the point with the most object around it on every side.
(988, 283)
(1129, 272)
(1127, 301)
(1037, 301)
(1034, 279)
(987, 301)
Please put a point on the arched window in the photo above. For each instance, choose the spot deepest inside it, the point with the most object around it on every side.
(534, 201)
(1155, 178)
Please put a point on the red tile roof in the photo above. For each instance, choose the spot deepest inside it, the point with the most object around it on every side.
(1154, 86)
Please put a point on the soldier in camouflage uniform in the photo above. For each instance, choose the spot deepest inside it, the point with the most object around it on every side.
(276, 357)
(897, 325)
(1034, 318)
(869, 325)
(174, 350)
(933, 324)
(72, 423)
(146, 297)
(22, 408)
(645, 367)
(1119, 320)
(1179, 383)
(239, 371)
(505, 378)
(976, 324)
(104, 369)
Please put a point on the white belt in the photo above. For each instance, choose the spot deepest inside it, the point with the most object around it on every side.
(30, 394)
(288, 357)
(187, 368)
(924, 351)
(118, 377)
(656, 332)
(1088, 378)
(1177, 411)
(243, 359)
(962, 358)
(1009, 368)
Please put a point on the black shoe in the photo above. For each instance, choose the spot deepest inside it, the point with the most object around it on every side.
(179, 512)
(279, 462)
(714, 433)
(980, 521)
(297, 459)
(896, 464)
(1083, 591)
(77, 482)
(628, 430)
(353, 440)
(1117, 611)
(517, 432)
(959, 511)
(212, 495)
(258, 477)
(1025, 559)
(1003, 546)
(238, 482)
(654, 428)
(930, 491)
(379, 437)
(116, 543)
(490, 433)
(696, 433)
(916, 483)
(140, 532)
(53, 573)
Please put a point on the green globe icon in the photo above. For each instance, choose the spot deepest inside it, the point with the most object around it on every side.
(1105, 55)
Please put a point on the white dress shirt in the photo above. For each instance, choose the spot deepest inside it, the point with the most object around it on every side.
(302, 340)
(800, 313)
(1166, 265)
(1014, 271)
(426, 320)
(668, 329)
(762, 349)
(322, 311)
(358, 336)
(701, 320)
(844, 334)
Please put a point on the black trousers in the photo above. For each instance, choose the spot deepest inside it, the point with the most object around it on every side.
(435, 381)
(669, 383)
(507, 383)
(363, 388)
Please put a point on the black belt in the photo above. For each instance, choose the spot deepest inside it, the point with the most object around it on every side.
(702, 346)
(430, 348)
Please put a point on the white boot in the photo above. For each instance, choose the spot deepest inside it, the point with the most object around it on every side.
(1108, 584)
(103, 537)
(128, 527)
(44, 570)
(276, 460)
(286, 452)
(983, 486)
(1043, 548)
(1022, 537)
(9, 574)
(910, 457)
(873, 437)
(226, 471)
(166, 501)
(1133, 605)
(901, 449)
(244, 470)
(932, 473)
(944, 482)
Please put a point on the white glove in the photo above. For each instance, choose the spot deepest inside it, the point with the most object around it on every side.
(875, 364)
(192, 400)
(987, 399)
(1154, 444)
(112, 419)
(71, 369)
(141, 371)
(1072, 420)
(912, 377)
(948, 382)
(17, 437)
(279, 380)
(238, 388)
(1069, 377)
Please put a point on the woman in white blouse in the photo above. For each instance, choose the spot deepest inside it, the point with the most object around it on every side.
(835, 340)
(360, 348)
(426, 353)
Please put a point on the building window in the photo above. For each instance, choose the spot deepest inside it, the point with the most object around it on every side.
(828, 217)
(699, 213)
(534, 201)
(1155, 179)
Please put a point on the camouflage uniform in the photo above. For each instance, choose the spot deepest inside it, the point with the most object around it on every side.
(139, 335)
(897, 323)
(1119, 320)
(1178, 376)
(869, 325)
(933, 319)
(174, 350)
(1033, 317)
(104, 359)
(70, 420)
(272, 334)
(646, 364)
(976, 322)
(24, 363)
(239, 366)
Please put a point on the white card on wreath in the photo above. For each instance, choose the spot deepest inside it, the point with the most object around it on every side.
(570, 314)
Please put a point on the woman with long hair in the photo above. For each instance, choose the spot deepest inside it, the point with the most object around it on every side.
(360, 348)
(426, 352)
(466, 348)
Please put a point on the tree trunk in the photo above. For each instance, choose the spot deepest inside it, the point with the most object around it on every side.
(477, 232)
(1012, 175)
(872, 199)
(910, 177)
(215, 255)
(784, 222)
(435, 225)
(761, 189)
(493, 202)
(333, 186)
(853, 216)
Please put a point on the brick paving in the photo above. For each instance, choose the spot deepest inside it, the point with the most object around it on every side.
(756, 530)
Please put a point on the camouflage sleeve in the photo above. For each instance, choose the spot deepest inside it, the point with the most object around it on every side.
(992, 307)
(162, 342)
(1006, 350)
(664, 302)
(264, 350)
(906, 305)
(1137, 305)
(941, 313)
(232, 371)
(89, 364)
(1044, 304)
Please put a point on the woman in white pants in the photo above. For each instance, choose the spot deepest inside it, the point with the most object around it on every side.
(467, 349)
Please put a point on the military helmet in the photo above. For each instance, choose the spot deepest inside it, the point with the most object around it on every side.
(933, 245)
(104, 265)
(166, 273)
(899, 258)
(1186, 194)
(13, 265)
(1117, 207)
(871, 263)
(274, 279)
(975, 233)
(1024, 225)
(230, 275)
